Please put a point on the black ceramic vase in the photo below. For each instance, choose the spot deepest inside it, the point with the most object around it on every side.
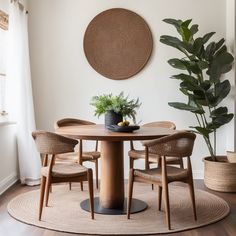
(112, 118)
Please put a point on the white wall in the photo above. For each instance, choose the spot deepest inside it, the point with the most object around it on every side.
(230, 40)
(64, 82)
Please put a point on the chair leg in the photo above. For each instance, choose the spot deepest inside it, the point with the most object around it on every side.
(96, 167)
(48, 184)
(42, 191)
(69, 185)
(167, 204)
(131, 163)
(191, 187)
(159, 197)
(81, 186)
(91, 196)
(130, 192)
(192, 195)
(181, 163)
(149, 166)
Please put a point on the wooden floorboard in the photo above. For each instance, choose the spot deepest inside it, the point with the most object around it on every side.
(12, 227)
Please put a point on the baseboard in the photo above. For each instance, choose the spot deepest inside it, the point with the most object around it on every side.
(198, 174)
(8, 182)
(30, 181)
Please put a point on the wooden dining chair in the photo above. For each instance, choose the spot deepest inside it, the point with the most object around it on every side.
(178, 145)
(49, 145)
(91, 156)
(137, 154)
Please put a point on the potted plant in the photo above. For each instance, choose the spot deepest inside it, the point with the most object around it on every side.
(202, 66)
(115, 108)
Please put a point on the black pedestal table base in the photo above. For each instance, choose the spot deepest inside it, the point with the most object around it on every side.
(136, 206)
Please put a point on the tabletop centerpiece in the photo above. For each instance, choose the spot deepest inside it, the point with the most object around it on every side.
(117, 108)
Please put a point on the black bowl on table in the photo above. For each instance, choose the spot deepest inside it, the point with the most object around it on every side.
(127, 129)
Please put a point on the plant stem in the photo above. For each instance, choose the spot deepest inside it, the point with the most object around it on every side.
(208, 142)
(198, 120)
(214, 142)
(204, 126)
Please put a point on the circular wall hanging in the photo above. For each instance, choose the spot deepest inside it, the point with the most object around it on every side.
(118, 43)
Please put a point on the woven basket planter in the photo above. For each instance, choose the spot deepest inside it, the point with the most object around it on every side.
(220, 175)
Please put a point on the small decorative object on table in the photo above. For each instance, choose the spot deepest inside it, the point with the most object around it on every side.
(115, 109)
(126, 129)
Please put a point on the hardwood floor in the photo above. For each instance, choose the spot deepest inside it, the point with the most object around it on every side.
(12, 227)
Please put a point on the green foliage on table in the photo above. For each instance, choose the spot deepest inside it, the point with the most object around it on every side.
(120, 104)
(202, 66)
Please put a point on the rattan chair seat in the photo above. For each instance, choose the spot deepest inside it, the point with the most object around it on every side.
(73, 156)
(65, 170)
(173, 174)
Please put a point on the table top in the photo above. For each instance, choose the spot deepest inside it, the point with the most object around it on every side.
(99, 132)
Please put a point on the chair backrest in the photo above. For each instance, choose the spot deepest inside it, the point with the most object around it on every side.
(175, 145)
(71, 122)
(163, 124)
(52, 144)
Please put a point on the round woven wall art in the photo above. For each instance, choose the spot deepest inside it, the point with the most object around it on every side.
(118, 43)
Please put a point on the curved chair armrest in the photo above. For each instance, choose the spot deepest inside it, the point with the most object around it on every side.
(180, 134)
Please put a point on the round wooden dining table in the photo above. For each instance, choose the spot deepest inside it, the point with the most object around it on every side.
(112, 198)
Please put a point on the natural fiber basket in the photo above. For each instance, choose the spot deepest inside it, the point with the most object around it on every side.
(231, 156)
(220, 175)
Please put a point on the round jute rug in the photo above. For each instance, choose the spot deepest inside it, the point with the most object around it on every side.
(64, 212)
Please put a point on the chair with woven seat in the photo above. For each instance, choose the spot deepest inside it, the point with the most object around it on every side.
(91, 156)
(152, 158)
(49, 145)
(179, 145)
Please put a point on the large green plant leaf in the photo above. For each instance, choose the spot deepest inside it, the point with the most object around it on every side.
(194, 29)
(219, 111)
(185, 31)
(185, 77)
(183, 28)
(223, 119)
(203, 131)
(173, 42)
(175, 23)
(198, 46)
(202, 65)
(222, 89)
(186, 107)
(177, 63)
(221, 64)
(210, 50)
(223, 49)
(220, 43)
(193, 67)
(220, 120)
(205, 85)
(206, 37)
(215, 96)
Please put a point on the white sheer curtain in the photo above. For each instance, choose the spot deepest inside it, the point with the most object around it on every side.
(19, 95)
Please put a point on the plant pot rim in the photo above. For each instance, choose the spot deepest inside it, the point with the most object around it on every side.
(222, 160)
(113, 112)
